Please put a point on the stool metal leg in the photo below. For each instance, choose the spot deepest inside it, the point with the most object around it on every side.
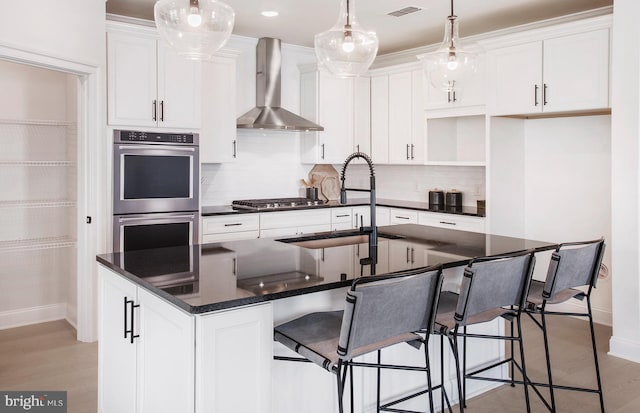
(340, 386)
(442, 373)
(464, 366)
(453, 342)
(547, 356)
(351, 386)
(378, 387)
(429, 383)
(595, 354)
(524, 367)
(513, 384)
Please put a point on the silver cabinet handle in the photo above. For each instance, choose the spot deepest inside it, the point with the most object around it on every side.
(544, 94)
(233, 225)
(162, 111)
(407, 151)
(413, 251)
(322, 155)
(234, 267)
(408, 255)
(412, 148)
(448, 96)
(358, 148)
(454, 97)
(235, 149)
(401, 217)
(448, 223)
(356, 220)
(154, 110)
(342, 216)
(535, 95)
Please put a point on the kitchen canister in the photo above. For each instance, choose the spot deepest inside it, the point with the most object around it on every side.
(453, 198)
(436, 198)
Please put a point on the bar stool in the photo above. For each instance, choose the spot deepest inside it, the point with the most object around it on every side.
(572, 265)
(491, 287)
(380, 311)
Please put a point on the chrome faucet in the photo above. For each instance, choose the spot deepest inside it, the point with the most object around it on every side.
(371, 230)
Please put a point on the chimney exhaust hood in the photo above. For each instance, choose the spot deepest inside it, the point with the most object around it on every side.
(268, 114)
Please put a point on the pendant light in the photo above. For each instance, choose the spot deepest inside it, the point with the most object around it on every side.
(195, 29)
(454, 62)
(346, 49)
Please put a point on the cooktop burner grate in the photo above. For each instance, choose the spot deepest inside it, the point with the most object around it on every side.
(274, 203)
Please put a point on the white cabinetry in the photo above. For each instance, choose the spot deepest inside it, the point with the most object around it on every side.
(218, 132)
(452, 221)
(341, 106)
(284, 223)
(397, 117)
(341, 219)
(149, 84)
(472, 93)
(402, 216)
(234, 358)
(405, 256)
(230, 227)
(561, 74)
(146, 353)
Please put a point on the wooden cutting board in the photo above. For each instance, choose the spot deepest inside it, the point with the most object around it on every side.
(329, 191)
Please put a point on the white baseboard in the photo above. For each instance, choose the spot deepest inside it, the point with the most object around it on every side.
(32, 315)
(72, 316)
(574, 306)
(623, 348)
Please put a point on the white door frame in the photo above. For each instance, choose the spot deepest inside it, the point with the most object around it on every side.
(89, 168)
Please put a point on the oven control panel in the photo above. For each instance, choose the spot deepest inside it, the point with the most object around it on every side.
(125, 136)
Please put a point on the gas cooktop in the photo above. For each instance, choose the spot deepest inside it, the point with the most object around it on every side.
(275, 203)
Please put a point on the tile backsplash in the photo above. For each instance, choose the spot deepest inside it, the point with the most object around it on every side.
(268, 166)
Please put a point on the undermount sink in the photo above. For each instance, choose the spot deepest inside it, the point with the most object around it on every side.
(334, 239)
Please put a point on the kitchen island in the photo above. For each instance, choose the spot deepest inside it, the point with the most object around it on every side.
(190, 329)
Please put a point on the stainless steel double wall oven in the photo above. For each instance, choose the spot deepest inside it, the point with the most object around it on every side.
(156, 190)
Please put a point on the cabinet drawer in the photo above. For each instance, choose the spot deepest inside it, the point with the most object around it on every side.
(340, 215)
(230, 223)
(403, 216)
(459, 222)
(283, 219)
(229, 236)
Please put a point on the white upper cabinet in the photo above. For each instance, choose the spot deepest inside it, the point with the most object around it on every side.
(148, 84)
(218, 131)
(362, 126)
(561, 74)
(397, 117)
(337, 104)
(471, 93)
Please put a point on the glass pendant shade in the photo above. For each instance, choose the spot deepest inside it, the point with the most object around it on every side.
(449, 67)
(195, 29)
(346, 49)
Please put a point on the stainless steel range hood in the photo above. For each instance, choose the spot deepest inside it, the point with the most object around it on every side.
(268, 114)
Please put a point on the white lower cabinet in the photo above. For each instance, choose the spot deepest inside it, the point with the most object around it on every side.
(285, 223)
(452, 221)
(233, 359)
(402, 216)
(230, 227)
(146, 353)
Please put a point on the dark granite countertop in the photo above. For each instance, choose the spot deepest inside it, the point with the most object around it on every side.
(392, 203)
(212, 277)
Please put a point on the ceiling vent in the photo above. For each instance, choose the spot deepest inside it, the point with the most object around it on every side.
(405, 11)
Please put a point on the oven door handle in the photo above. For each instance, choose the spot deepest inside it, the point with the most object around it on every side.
(156, 147)
(147, 218)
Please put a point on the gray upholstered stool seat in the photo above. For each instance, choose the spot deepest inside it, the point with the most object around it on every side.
(315, 336)
(380, 311)
(573, 265)
(491, 287)
(537, 288)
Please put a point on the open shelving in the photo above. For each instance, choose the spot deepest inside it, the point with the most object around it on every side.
(456, 141)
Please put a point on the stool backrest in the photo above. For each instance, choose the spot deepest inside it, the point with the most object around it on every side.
(573, 265)
(491, 283)
(379, 308)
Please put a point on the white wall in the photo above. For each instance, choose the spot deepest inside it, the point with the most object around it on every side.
(567, 189)
(625, 180)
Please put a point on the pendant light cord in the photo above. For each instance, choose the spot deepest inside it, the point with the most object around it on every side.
(452, 17)
(451, 8)
(349, 14)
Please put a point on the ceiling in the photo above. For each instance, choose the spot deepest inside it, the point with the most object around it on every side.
(299, 20)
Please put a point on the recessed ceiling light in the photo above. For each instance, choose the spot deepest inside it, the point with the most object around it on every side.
(269, 13)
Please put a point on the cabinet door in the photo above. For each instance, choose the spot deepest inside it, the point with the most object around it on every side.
(515, 84)
(178, 89)
(336, 112)
(336, 261)
(362, 127)
(380, 119)
(576, 72)
(400, 117)
(218, 131)
(234, 358)
(166, 358)
(362, 217)
(117, 355)
(418, 118)
(362, 251)
(400, 256)
(132, 82)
